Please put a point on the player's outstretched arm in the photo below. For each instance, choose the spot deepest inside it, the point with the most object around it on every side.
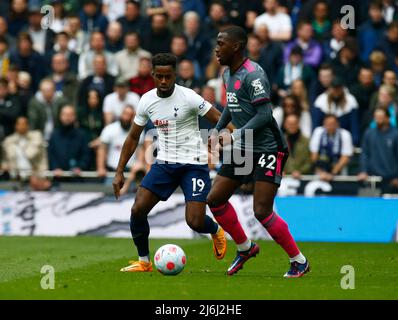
(129, 147)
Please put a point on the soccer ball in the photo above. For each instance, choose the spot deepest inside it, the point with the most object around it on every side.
(170, 259)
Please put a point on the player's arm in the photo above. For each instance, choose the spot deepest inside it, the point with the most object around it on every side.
(214, 116)
(129, 147)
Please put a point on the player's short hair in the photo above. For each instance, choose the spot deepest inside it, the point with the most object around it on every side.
(238, 34)
(164, 59)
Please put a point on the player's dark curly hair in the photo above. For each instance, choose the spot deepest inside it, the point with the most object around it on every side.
(238, 34)
(164, 59)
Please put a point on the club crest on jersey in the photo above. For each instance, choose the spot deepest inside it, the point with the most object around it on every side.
(175, 113)
(258, 87)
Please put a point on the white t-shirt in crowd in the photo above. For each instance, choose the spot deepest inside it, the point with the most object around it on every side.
(113, 104)
(114, 136)
(347, 148)
(116, 8)
(280, 22)
(176, 121)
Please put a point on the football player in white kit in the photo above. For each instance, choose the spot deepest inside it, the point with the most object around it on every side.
(182, 159)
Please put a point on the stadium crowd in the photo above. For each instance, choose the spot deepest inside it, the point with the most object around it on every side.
(69, 86)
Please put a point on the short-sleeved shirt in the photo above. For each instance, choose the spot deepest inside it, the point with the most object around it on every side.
(247, 89)
(176, 121)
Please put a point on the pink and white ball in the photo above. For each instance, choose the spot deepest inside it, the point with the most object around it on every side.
(170, 259)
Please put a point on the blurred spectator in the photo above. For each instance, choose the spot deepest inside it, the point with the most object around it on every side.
(4, 57)
(114, 37)
(153, 7)
(97, 47)
(254, 47)
(186, 76)
(322, 83)
(199, 45)
(294, 69)
(61, 46)
(340, 103)
(12, 77)
(179, 47)
(113, 9)
(10, 109)
(379, 154)
(44, 107)
(347, 64)
(216, 20)
(112, 139)
(158, 38)
(290, 105)
(279, 24)
(27, 59)
(321, 23)
(176, 17)
(100, 80)
(5, 34)
(132, 21)
(43, 38)
(390, 12)
(378, 64)
(389, 43)
(91, 17)
(143, 82)
(78, 39)
(59, 22)
(242, 12)
(299, 161)
(91, 118)
(385, 100)
(363, 91)
(194, 5)
(24, 90)
(116, 102)
(25, 155)
(331, 149)
(129, 58)
(271, 59)
(68, 146)
(312, 51)
(66, 84)
(209, 94)
(299, 91)
(372, 30)
(17, 18)
(332, 47)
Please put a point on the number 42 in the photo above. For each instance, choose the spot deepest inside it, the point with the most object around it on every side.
(271, 158)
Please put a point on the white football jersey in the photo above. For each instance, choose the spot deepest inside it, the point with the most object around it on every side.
(176, 121)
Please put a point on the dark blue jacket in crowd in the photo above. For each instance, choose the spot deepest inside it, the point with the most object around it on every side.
(68, 149)
(200, 49)
(380, 153)
(369, 34)
(98, 22)
(194, 5)
(34, 64)
(271, 60)
(389, 48)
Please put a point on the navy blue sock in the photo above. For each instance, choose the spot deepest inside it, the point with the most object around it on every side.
(140, 232)
(210, 226)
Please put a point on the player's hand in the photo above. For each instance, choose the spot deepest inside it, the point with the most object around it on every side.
(118, 183)
(212, 143)
(225, 139)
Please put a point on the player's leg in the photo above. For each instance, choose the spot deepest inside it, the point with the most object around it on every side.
(199, 221)
(225, 214)
(195, 182)
(268, 178)
(145, 200)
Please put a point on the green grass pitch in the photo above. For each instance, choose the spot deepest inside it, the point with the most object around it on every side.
(88, 268)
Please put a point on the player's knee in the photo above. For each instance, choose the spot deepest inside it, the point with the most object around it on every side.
(195, 223)
(262, 211)
(213, 202)
(137, 212)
